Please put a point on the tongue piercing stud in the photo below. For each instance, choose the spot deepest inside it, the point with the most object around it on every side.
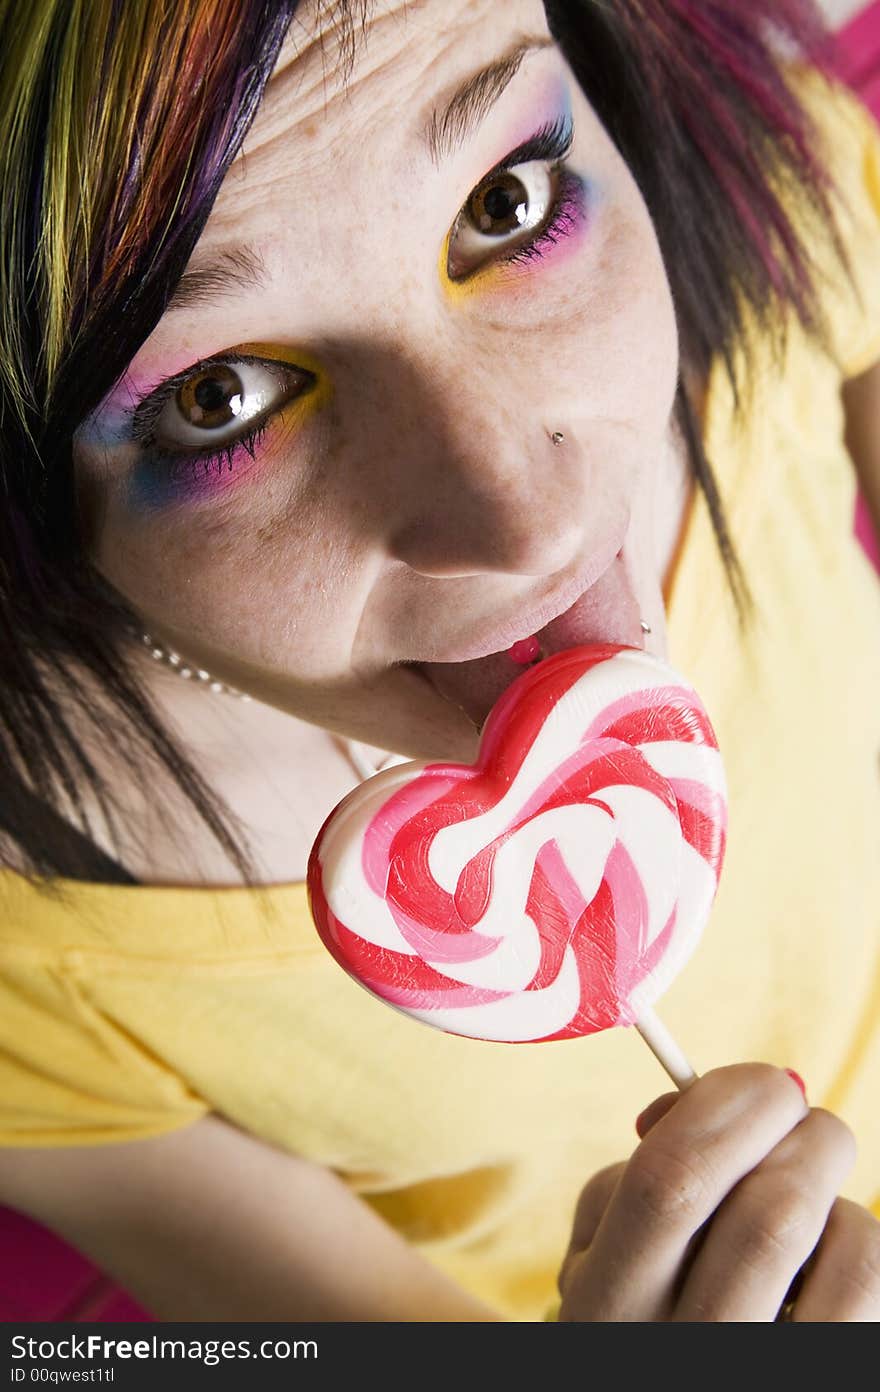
(525, 652)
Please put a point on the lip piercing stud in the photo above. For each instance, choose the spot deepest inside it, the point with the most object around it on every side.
(646, 627)
(557, 437)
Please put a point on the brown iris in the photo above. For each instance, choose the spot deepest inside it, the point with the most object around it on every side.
(211, 398)
(500, 206)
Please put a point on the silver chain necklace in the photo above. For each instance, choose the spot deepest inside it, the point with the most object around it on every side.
(354, 751)
(187, 671)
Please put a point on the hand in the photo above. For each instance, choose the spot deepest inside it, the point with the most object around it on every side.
(732, 1190)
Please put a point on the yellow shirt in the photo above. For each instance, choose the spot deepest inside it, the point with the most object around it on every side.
(129, 1011)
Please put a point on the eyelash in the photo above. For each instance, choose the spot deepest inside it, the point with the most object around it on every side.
(552, 144)
(150, 408)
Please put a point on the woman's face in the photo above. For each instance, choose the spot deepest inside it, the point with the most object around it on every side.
(404, 336)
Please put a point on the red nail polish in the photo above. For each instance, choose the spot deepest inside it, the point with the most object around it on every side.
(796, 1078)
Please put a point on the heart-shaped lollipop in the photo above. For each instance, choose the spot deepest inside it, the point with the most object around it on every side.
(552, 889)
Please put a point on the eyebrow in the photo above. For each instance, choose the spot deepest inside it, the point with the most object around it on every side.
(227, 272)
(470, 104)
(233, 270)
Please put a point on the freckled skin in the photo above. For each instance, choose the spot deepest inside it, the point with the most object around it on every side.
(424, 499)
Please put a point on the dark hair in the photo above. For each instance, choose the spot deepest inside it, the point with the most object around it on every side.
(691, 91)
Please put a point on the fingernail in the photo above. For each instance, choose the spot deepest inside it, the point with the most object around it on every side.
(796, 1078)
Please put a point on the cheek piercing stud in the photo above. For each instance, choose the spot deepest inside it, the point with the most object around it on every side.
(557, 437)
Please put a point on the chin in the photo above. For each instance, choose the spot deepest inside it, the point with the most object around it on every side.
(400, 711)
(431, 726)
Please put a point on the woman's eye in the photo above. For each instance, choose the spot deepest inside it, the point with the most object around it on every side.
(217, 403)
(507, 209)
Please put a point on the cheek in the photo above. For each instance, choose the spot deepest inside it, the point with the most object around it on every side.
(651, 327)
(154, 487)
(634, 318)
(258, 583)
(617, 345)
(652, 338)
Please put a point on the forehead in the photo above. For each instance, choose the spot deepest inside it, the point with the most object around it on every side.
(340, 145)
(341, 56)
(368, 71)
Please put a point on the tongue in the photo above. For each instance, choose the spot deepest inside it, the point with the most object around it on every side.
(606, 613)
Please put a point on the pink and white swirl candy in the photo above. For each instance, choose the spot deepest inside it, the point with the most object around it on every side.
(556, 887)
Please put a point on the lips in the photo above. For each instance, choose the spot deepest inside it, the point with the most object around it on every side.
(607, 612)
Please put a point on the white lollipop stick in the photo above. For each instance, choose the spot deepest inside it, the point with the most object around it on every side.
(665, 1049)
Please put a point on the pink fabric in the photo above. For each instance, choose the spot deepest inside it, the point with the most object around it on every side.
(41, 1277)
(859, 58)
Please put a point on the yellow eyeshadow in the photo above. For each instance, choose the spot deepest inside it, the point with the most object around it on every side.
(283, 353)
(492, 275)
(455, 291)
(316, 398)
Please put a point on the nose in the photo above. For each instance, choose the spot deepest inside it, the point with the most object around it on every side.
(517, 506)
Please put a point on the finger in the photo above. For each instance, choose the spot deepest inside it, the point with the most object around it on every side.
(596, 1195)
(843, 1280)
(591, 1205)
(652, 1113)
(717, 1131)
(768, 1225)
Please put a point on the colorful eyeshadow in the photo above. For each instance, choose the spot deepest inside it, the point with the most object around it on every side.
(160, 476)
(562, 229)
